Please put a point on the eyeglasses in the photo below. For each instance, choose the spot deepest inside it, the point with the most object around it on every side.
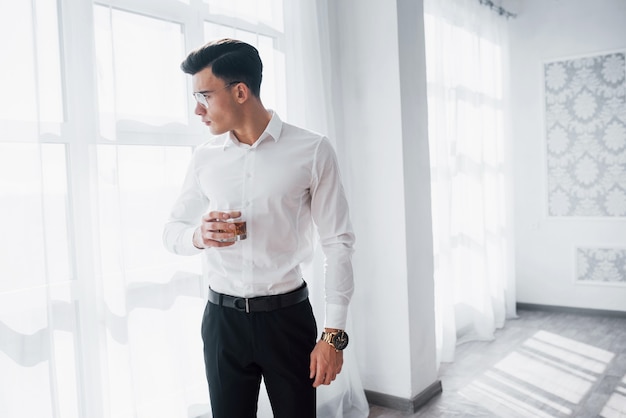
(202, 97)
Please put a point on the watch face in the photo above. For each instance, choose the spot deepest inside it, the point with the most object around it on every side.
(341, 340)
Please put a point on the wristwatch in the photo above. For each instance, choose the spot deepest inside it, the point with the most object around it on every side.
(338, 339)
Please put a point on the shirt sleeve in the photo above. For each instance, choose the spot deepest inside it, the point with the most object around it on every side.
(185, 215)
(329, 208)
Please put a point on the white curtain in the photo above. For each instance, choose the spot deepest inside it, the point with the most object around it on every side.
(466, 58)
(96, 318)
(308, 65)
(38, 311)
(96, 129)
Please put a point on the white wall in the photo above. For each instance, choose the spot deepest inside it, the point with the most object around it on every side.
(547, 30)
(380, 87)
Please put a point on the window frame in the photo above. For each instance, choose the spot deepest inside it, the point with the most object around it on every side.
(79, 133)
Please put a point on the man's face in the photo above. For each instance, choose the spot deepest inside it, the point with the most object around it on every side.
(219, 109)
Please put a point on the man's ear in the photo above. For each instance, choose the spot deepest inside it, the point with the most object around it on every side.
(242, 92)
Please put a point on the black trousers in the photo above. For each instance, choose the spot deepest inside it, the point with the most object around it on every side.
(241, 347)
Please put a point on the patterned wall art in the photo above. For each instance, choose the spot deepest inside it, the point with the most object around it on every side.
(585, 104)
(601, 265)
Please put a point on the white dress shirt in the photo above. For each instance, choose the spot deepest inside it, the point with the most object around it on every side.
(286, 183)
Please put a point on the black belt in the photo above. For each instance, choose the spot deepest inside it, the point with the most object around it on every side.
(260, 303)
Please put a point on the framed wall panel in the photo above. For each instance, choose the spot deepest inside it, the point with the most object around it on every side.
(601, 266)
(585, 114)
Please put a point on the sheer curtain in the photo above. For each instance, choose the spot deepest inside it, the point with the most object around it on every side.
(38, 313)
(96, 129)
(311, 106)
(466, 58)
(96, 319)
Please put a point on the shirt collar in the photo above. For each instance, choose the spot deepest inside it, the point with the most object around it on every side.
(272, 130)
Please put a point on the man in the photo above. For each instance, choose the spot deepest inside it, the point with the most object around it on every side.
(284, 180)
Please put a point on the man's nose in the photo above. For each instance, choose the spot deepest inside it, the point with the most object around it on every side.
(199, 110)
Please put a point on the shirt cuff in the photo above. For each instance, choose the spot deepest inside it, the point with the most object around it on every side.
(336, 316)
(189, 248)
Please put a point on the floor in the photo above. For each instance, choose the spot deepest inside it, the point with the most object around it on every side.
(544, 364)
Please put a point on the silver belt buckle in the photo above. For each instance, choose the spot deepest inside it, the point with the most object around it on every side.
(246, 307)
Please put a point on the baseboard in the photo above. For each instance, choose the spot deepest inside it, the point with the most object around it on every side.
(569, 309)
(402, 404)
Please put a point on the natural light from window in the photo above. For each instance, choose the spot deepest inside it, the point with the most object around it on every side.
(96, 131)
(30, 92)
(138, 74)
(549, 375)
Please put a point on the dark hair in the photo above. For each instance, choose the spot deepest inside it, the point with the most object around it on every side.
(230, 60)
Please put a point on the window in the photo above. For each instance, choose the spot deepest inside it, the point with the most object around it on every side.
(96, 130)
